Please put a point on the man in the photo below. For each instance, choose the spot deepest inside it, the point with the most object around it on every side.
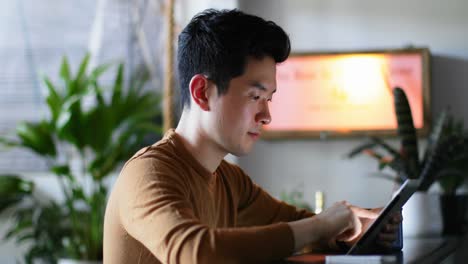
(178, 201)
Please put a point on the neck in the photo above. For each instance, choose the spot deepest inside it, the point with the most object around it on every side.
(198, 142)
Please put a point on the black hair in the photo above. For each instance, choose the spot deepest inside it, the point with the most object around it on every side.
(218, 43)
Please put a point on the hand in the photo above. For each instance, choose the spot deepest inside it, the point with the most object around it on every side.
(365, 222)
(343, 221)
(388, 233)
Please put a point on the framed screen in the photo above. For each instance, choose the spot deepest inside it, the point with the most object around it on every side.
(348, 93)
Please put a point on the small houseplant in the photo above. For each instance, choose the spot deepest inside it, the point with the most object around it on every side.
(296, 198)
(90, 131)
(454, 174)
(445, 158)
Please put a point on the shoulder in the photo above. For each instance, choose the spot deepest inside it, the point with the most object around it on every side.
(162, 156)
(155, 165)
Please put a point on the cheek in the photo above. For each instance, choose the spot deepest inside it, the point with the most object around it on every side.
(245, 114)
(238, 114)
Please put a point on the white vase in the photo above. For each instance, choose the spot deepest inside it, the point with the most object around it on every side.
(74, 261)
(422, 215)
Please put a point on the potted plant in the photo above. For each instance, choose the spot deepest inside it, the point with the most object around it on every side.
(296, 198)
(450, 178)
(90, 131)
(443, 159)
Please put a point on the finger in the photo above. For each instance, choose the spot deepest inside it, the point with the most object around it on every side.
(344, 236)
(353, 231)
(377, 210)
(348, 235)
(361, 212)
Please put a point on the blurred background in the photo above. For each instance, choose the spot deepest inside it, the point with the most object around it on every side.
(36, 35)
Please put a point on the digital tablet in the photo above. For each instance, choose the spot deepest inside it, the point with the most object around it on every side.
(366, 244)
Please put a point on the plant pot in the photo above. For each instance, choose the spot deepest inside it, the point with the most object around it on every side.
(422, 215)
(453, 209)
(75, 261)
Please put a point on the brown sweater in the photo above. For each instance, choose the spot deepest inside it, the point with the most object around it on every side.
(165, 207)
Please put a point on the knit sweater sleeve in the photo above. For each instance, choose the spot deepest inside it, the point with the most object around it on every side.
(154, 209)
(257, 207)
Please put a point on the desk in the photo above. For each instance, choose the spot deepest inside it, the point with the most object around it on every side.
(428, 250)
(415, 250)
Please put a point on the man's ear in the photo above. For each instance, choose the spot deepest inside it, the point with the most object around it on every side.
(199, 85)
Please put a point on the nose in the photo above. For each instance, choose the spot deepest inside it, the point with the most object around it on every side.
(263, 116)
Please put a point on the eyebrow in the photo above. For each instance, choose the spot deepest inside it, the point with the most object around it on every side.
(261, 87)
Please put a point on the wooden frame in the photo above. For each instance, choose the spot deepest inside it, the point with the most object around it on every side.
(391, 58)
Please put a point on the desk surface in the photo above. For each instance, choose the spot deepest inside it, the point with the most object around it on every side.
(415, 250)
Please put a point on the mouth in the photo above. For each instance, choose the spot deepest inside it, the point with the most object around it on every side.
(254, 135)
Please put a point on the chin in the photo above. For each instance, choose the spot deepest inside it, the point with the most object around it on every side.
(241, 152)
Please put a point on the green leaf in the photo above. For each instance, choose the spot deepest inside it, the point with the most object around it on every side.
(83, 66)
(449, 149)
(22, 225)
(100, 123)
(394, 152)
(69, 123)
(359, 149)
(37, 137)
(118, 83)
(80, 84)
(9, 201)
(65, 72)
(13, 189)
(98, 71)
(98, 94)
(61, 169)
(25, 237)
(54, 100)
(78, 194)
(374, 154)
(436, 135)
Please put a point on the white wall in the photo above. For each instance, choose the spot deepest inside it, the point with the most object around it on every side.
(334, 25)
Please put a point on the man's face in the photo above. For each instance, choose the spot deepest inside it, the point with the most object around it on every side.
(239, 114)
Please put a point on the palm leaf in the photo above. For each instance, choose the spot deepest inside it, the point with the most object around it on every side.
(435, 135)
(450, 148)
(54, 100)
(83, 66)
(395, 153)
(65, 72)
(118, 83)
(37, 137)
(98, 71)
(13, 189)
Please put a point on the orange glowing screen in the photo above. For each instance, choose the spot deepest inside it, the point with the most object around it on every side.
(345, 92)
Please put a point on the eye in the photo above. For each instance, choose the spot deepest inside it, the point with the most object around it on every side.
(255, 97)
